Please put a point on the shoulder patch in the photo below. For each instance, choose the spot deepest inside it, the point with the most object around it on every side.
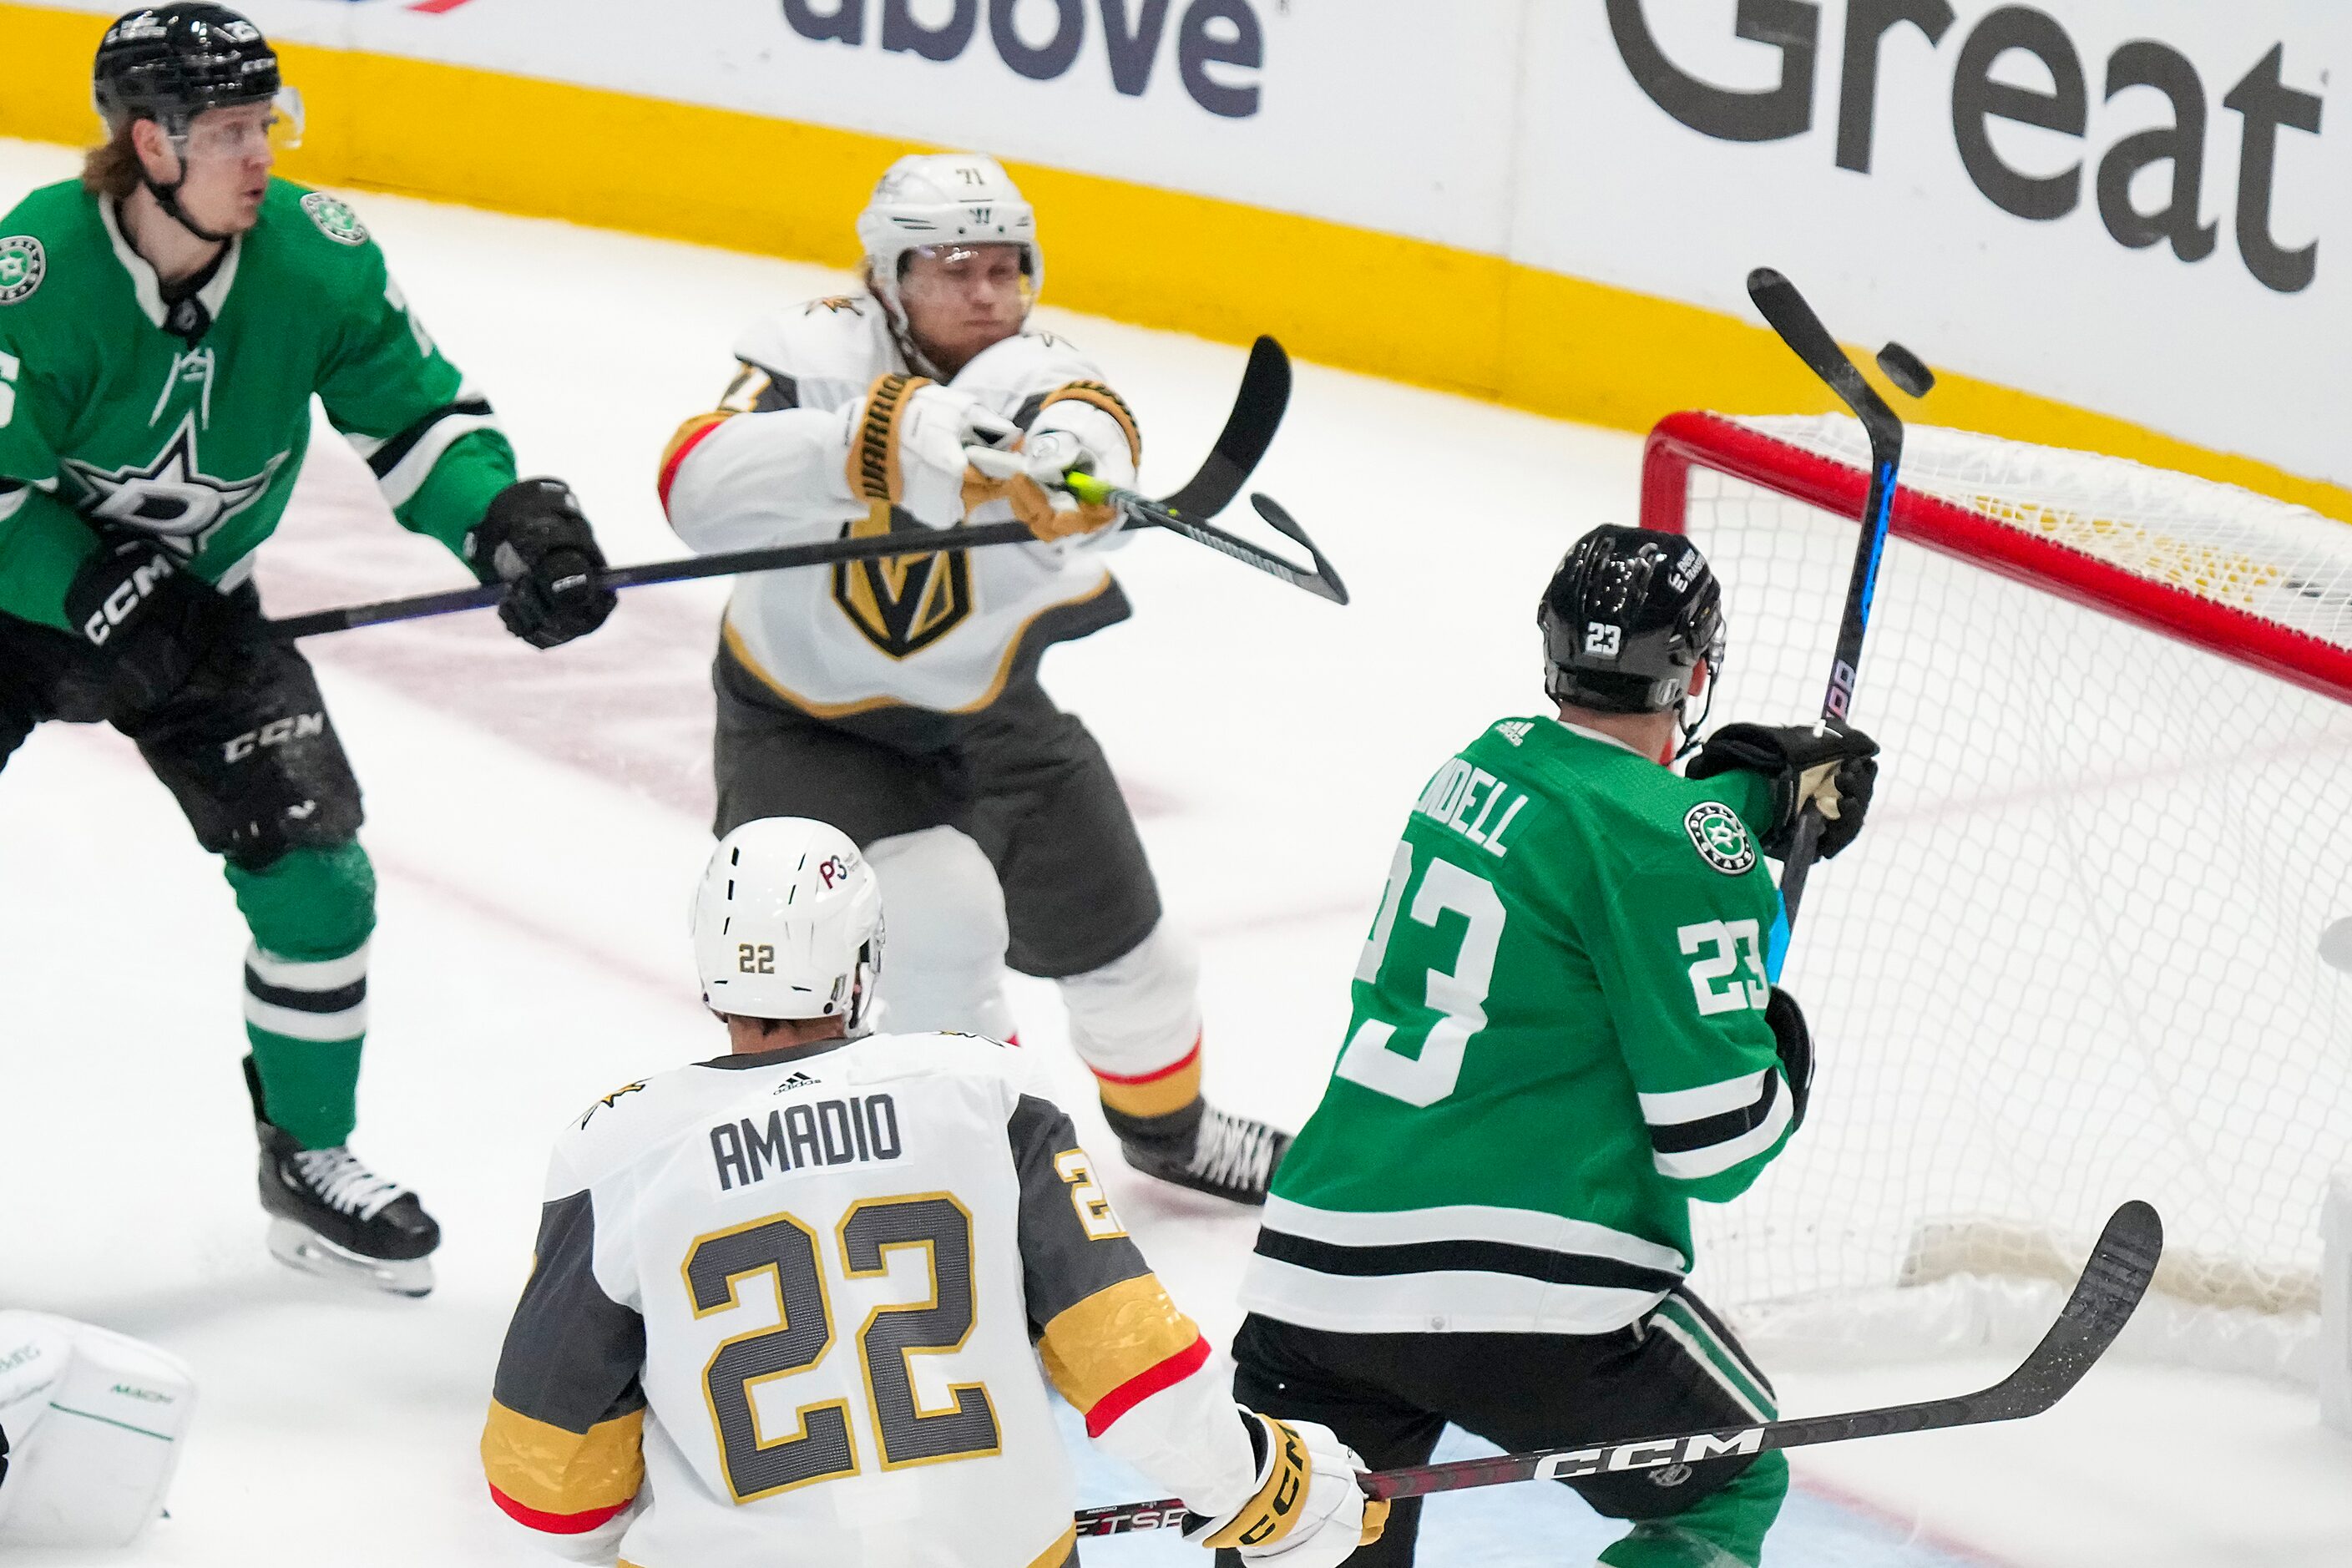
(836, 304)
(335, 218)
(22, 264)
(1720, 837)
(606, 1103)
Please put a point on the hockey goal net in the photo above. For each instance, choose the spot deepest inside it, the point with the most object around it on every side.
(2075, 958)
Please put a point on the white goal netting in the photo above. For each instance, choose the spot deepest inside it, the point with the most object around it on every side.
(2075, 958)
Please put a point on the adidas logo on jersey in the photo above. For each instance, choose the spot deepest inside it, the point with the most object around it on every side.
(798, 1081)
(1514, 730)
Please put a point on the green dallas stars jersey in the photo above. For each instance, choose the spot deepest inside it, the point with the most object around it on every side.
(1557, 1041)
(107, 417)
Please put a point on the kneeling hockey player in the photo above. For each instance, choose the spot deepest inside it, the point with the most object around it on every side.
(899, 701)
(1564, 1031)
(164, 321)
(784, 1300)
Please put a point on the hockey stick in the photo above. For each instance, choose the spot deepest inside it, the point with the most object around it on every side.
(1257, 411)
(1781, 306)
(2114, 1279)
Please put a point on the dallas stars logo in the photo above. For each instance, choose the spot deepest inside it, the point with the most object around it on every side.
(171, 498)
(21, 267)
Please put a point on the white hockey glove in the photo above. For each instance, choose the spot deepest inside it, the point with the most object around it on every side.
(907, 442)
(1307, 1511)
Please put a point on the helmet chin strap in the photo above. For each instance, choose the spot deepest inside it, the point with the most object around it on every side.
(1691, 727)
(168, 196)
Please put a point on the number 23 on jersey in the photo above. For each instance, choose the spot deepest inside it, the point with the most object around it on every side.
(1380, 1054)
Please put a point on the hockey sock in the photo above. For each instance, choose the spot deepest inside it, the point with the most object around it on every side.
(311, 912)
(1723, 1529)
(1156, 1095)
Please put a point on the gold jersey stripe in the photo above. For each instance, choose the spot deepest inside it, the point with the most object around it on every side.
(1111, 1337)
(1064, 1551)
(545, 1467)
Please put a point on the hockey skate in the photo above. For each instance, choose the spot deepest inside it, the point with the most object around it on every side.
(1201, 1147)
(332, 1217)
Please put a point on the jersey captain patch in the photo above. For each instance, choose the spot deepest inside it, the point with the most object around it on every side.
(22, 265)
(335, 218)
(1720, 837)
(902, 604)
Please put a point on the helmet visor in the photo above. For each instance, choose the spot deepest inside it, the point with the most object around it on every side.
(996, 278)
(243, 131)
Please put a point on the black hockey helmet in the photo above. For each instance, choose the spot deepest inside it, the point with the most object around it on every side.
(170, 63)
(1626, 618)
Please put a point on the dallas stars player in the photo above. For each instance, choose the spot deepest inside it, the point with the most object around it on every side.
(899, 701)
(163, 323)
(1564, 1031)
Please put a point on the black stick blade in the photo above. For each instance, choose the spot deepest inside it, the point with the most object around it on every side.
(2121, 1266)
(1258, 407)
(1785, 311)
(1326, 583)
(1907, 369)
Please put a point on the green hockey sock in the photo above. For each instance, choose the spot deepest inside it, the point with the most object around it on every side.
(1723, 1529)
(311, 912)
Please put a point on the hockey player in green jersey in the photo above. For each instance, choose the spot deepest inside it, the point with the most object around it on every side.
(164, 322)
(1565, 1029)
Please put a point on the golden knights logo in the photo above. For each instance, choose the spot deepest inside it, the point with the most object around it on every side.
(902, 604)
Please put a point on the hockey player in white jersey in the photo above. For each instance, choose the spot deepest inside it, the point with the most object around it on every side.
(898, 700)
(784, 1302)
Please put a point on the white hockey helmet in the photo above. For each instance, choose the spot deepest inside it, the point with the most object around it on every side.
(928, 199)
(788, 923)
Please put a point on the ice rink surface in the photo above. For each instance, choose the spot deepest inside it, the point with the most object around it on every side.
(537, 820)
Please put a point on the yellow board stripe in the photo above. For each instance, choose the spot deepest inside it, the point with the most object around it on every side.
(546, 1467)
(1407, 309)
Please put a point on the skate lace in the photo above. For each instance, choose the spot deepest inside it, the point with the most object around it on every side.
(1233, 1151)
(348, 1186)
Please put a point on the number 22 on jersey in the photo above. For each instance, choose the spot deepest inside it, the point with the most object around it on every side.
(786, 1250)
(1379, 1054)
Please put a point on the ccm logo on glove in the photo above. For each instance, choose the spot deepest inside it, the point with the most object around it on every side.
(125, 597)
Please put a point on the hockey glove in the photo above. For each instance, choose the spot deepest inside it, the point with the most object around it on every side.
(144, 615)
(1030, 477)
(1833, 772)
(906, 444)
(1307, 1511)
(535, 540)
(1794, 1042)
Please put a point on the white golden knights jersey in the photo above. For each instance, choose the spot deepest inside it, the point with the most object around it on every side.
(944, 632)
(784, 1313)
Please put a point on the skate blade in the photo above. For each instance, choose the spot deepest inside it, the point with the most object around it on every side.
(297, 1247)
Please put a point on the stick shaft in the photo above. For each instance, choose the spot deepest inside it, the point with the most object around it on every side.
(2114, 1279)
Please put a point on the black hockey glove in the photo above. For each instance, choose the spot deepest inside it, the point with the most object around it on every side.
(1834, 770)
(1795, 1044)
(535, 540)
(143, 617)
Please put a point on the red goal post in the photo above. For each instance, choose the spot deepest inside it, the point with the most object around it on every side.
(1711, 441)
